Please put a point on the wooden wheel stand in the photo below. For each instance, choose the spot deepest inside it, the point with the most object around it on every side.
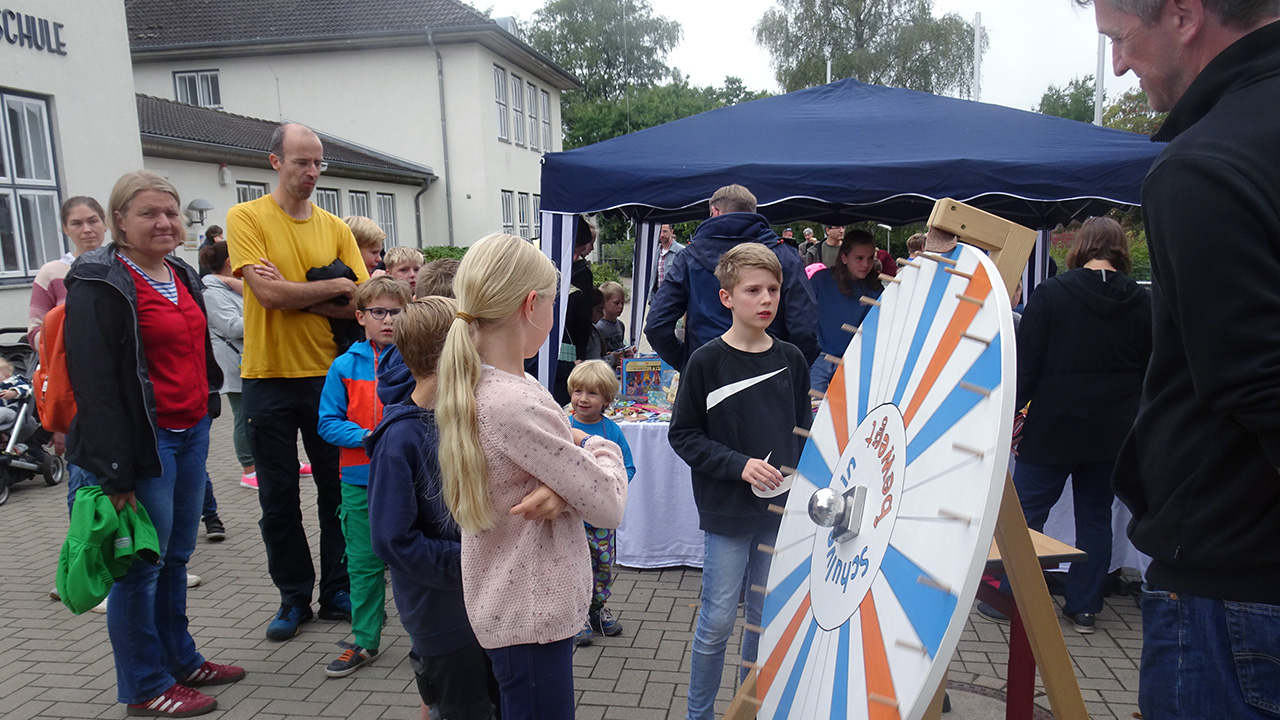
(1033, 614)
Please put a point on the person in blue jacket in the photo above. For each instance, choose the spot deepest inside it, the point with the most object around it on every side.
(839, 290)
(690, 286)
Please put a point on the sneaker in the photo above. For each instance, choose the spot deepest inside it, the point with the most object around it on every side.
(338, 608)
(176, 702)
(304, 469)
(288, 621)
(53, 594)
(602, 622)
(213, 674)
(991, 613)
(584, 635)
(352, 658)
(214, 531)
(100, 608)
(1084, 622)
(249, 480)
(193, 581)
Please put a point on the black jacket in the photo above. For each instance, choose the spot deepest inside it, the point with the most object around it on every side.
(113, 434)
(1199, 470)
(1083, 347)
(689, 285)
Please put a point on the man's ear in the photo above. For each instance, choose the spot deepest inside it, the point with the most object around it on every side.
(1188, 17)
(274, 160)
(726, 299)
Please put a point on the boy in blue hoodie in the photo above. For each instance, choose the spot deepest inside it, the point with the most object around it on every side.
(349, 410)
(414, 534)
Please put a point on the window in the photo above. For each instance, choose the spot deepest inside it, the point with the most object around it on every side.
(387, 217)
(246, 191)
(327, 199)
(533, 117)
(546, 121)
(517, 109)
(508, 212)
(359, 202)
(500, 97)
(537, 216)
(30, 234)
(199, 87)
(524, 215)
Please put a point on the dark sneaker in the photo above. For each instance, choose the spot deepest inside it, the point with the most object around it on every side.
(352, 658)
(584, 635)
(213, 674)
(214, 530)
(176, 702)
(1084, 622)
(602, 622)
(338, 607)
(288, 621)
(991, 613)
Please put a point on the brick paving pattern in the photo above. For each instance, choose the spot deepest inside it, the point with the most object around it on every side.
(58, 665)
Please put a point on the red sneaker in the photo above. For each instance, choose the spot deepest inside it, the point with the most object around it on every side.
(176, 702)
(304, 469)
(213, 674)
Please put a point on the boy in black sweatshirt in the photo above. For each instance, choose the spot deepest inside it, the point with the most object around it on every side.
(741, 395)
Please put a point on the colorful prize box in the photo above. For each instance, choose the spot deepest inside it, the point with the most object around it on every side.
(649, 381)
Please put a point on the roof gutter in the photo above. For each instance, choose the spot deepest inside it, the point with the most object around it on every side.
(444, 141)
(195, 151)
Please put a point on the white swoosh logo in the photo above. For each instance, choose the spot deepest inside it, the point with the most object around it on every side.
(721, 394)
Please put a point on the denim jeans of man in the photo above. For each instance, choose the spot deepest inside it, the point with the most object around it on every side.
(1208, 658)
(820, 374)
(1039, 487)
(535, 682)
(728, 563)
(147, 608)
(276, 411)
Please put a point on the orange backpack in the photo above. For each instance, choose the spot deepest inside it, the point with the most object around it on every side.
(55, 402)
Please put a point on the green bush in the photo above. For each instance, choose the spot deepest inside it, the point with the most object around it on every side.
(436, 252)
(602, 273)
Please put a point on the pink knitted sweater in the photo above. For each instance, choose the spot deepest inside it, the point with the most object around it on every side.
(530, 582)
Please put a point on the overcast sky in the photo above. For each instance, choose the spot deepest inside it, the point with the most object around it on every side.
(1034, 43)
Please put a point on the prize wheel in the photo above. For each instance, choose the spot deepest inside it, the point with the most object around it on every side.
(893, 505)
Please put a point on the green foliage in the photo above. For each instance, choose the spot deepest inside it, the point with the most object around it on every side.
(897, 43)
(1132, 113)
(1139, 253)
(601, 274)
(1073, 101)
(436, 252)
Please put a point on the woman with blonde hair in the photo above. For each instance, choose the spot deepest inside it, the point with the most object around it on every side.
(146, 386)
(518, 480)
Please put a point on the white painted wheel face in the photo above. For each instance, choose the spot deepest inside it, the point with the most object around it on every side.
(919, 416)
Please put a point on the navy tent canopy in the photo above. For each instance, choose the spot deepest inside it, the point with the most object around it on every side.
(849, 151)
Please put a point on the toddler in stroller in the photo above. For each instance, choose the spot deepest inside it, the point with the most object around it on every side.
(20, 433)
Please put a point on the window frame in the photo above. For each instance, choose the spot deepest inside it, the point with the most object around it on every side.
(37, 239)
(199, 76)
(387, 219)
(500, 99)
(356, 199)
(546, 121)
(517, 110)
(245, 188)
(535, 128)
(10, 141)
(333, 193)
(508, 212)
(537, 215)
(522, 205)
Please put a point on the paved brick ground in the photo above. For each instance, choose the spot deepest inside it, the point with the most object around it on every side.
(58, 665)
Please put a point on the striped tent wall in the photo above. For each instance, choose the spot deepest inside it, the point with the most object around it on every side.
(557, 244)
(642, 276)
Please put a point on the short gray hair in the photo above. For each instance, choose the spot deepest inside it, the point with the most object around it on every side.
(1232, 13)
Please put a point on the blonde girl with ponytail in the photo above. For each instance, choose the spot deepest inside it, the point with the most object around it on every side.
(518, 480)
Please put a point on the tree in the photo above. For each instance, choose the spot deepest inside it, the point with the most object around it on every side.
(898, 43)
(1131, 112)
(611, 46)
(1073, 101)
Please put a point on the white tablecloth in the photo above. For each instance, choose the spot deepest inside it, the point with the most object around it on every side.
(660, 527)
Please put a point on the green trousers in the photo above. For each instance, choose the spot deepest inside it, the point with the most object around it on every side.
(368, 586)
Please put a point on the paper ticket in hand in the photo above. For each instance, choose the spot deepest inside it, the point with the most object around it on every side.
(785, 486)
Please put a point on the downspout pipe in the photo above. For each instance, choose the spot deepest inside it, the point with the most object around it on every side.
(417, 207)
(444, 139)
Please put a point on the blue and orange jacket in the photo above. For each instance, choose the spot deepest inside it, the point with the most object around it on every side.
(350, 409)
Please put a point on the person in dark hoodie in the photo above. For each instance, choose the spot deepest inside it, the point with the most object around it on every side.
(1083, 348)
(413, 533)
(690, 286)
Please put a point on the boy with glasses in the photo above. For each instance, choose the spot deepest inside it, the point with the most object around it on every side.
(349, 410)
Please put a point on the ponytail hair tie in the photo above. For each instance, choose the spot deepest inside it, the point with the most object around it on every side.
(465, 317)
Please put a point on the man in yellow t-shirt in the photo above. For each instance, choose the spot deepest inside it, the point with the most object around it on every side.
(288, 347)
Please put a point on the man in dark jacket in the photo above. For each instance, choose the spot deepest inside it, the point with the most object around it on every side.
(1199, 469)
(690, 286)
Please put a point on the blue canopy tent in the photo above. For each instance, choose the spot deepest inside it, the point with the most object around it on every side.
(846, 152)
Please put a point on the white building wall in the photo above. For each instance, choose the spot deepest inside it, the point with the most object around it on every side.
(91, 106)
(201, 180)
(388, 100)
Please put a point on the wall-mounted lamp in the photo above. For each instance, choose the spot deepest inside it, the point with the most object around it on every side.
(196, 210)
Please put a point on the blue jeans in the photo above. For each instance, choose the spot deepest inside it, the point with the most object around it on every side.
(727, 563)
(820, 374)
(147, 608)
(1039, 487)
(535, 681)
(1208, 658)
(77, 477)
(210, 508)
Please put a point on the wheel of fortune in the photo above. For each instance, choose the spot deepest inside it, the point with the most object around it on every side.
(893, 506)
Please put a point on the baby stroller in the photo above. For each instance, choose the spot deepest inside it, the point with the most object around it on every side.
(23, 457)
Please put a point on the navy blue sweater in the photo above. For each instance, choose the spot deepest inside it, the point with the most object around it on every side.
(413, 533)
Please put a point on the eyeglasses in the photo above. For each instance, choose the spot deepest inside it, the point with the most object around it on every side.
(381, 313)
(319, 165)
